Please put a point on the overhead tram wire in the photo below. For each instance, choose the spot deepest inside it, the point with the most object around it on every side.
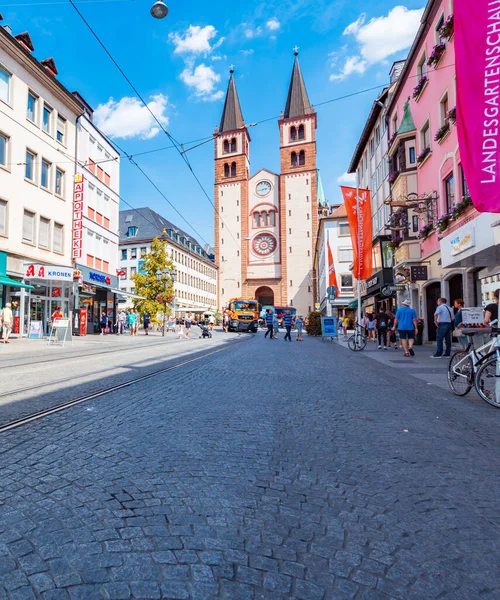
(178, 146)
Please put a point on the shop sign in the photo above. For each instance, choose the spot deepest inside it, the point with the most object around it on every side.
(35, 330)
(48, 273)
(89, 289)
(463, 241)
(473, 316)
(372, 282)
(100, 278)
(78, 217)
(121, 273)
(419, 273)
(388, 290)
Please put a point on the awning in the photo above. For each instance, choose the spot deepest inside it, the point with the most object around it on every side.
(5, 280)
(194, 310)
(353, 304)
(126, 294)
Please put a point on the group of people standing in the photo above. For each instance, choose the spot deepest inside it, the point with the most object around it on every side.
(289, 321)
(126, 321)
(379, 328)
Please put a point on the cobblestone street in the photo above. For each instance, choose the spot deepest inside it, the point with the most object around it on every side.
(265, 471)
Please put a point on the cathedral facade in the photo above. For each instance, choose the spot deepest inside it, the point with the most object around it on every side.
(266, 223)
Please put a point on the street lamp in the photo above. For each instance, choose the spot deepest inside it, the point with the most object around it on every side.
(164, 277)
(159, 10)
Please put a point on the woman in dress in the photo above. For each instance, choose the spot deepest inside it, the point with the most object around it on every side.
(299, 323)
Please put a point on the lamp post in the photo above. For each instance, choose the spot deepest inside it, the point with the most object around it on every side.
(164, 276)
(159, 10)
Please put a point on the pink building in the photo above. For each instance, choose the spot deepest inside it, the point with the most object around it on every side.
(429, 195)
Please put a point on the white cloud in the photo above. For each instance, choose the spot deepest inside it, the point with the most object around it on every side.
(196, 40)
(203, 81)
(353, 64)
(129, 118)
(273, 24)
(347, 178)
(380, 38)
(248, 52)
(251, 33)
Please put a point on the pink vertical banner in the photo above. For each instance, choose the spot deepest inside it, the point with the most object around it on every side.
(477, 58)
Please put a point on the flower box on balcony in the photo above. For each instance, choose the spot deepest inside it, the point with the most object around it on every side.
(425, 231)
(423, 156)
(442, 133)
(419, 88)
(393, 176)
(447, 30)
(437, 53)
(452, 115)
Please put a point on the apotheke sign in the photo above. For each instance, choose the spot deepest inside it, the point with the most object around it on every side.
(49, 273)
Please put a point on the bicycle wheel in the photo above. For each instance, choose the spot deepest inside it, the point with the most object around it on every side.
(460, 373)
(485, 382)
(356, 342)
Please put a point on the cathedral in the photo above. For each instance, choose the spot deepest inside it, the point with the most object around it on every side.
(266, 223)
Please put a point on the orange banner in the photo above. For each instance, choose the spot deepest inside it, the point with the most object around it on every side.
(332, 277)
(362, 238)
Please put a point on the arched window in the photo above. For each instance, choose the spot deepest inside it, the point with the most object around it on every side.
(233, 169)
(272, 218)
(263, 216)
(226, 170)
(233, 145)
(226, 146)
(294, 159)
(293, 133)
(302, 158)
(256, 220)
(301, 132)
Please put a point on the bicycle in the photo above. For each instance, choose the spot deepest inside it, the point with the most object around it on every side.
(487, 379)
(464, 364)
(358, 339)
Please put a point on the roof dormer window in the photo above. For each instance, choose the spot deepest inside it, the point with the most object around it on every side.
(132, 231)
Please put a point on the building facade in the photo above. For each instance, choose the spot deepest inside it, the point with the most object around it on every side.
(196, 281)
(266, 223)
(334, 230)
(38, 117)
(95, 254)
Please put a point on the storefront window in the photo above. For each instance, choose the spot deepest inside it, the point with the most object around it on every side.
(387, 255)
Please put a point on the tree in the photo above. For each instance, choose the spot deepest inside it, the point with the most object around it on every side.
(313, 326)
(155, 297)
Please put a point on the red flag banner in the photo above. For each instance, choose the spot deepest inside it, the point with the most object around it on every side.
(362, 239)
(332, 276)
(477, 59)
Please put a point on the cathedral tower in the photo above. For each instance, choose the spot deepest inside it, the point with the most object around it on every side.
(298, 193)
(232, 168)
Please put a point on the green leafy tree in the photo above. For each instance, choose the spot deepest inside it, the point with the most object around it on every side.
(155, 296)
(314, 323)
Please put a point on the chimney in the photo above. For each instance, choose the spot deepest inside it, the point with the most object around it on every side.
(25, 41)
(50, 66)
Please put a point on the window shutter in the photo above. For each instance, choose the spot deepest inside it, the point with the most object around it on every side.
(28, 227)
(43, 233)
(58, 238)
(3, 216)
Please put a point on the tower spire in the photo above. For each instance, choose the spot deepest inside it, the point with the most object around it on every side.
(232, 117)
(297, 102)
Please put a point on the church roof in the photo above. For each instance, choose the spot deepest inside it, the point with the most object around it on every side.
(232, 117)
(297, 103)
(407, 123)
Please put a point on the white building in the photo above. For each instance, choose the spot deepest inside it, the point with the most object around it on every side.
(196, 283)
(97, 255)
(38, 118)
(334, 229)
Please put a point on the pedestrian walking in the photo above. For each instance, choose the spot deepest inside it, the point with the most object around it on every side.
(458, 306)
(363, 322)
(6, 320)
(345, 325)
(146, 320)
(180, 330)
(443, 319)
(405, 323)
(104, 321)
(211, 321)
(276, 327)
(491, 311)
(299, 323)
(270, 324)
(381, 324)
(288, 322)
(188, 322)
(121, 320)
(57, 314)
(225, 322)
(340, 325)
(371, 327)
(391, 335)
(132, 322)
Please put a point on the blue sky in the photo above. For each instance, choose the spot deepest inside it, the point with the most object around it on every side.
(180, 66)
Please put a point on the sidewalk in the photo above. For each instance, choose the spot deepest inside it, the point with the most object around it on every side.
(430, 370)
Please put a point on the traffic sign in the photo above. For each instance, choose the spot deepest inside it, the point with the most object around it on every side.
(121, 273)
(331, 290)
(331, 300)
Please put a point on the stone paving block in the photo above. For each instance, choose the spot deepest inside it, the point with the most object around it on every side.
(145, 590)
(118, 590)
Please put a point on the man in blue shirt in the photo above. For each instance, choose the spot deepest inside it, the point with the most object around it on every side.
(269, 323)
(287, 322)
(406, 324)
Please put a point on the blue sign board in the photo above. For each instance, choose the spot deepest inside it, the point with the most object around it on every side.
(328, 327)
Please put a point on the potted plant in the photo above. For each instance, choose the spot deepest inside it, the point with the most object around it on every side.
(442, 132)
(452, 115)
(437, 53)
(417, 90)
(461, 207)
(447, 29)
(313, 325)
(395, 243)
(393, 176)
(425, 231)
(444, 221)
(423, 155)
